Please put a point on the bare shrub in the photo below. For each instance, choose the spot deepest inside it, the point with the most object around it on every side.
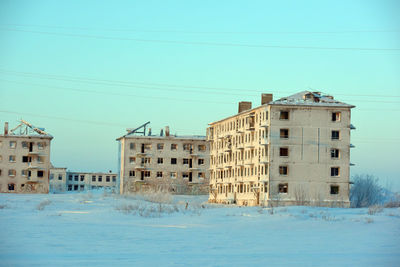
(43, 204)
(365, 191)
(394, 202)
(374, 209)
(158, 197)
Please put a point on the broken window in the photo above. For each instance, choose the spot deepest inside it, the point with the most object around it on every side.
(146, 160)
(200, 161)
(40, 174)
(335, 135)
(173, 174)
(82, 178)
(202, 148)
(185, 161)
(131, 173)
(100, 179)
(12, 173)
(76, 187)
(11, 187)
(70, 187)
(284, 115)
(13, 144)
(147, 173)
(93, 178)
(173, 160)
(334, 189)
(107, 179)
(82, 187)
(160, 161)
(159, 175)
(114, 179)
(24, 144)
(60, 177)
(11, 158)
(132, 146)
(70, 177)
(40, 159)
(76, 177)
(284, 152)
(283, 188)
(160, 146)
(174, 146)
(147, 146)
(132, 160)
(25, 173)
(187, 147)
(335, 171)
(40, 145)
(200, 175)
(284, 133)
(336, 116)
(334, 153)
(283, 170)
(26, 159)
(185, 175)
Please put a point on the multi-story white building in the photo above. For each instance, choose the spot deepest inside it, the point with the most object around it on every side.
(295, 150)
(178, 164)
(24, 159)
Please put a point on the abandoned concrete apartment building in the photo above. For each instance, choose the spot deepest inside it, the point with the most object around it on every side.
(295, 150)
(24, 159)
(178, 164)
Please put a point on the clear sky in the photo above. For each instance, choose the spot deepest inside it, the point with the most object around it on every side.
(87, 70)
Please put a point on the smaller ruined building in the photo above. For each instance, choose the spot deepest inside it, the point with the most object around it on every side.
(24, 159)
(177, 164)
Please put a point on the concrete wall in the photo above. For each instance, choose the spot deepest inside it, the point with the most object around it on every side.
(27, 178)
(139, 167)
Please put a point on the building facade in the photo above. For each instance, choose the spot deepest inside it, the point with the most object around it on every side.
(80, 181)
(24, 159)
(58, 180)
(292, 151)
(170, 163)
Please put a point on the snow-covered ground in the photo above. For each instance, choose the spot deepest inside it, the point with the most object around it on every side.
(96, 229)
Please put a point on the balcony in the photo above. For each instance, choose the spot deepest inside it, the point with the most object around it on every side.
(264, 141)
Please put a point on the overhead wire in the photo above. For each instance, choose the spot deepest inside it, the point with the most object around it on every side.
(88, 36)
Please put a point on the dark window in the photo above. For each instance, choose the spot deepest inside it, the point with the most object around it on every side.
(335, 116)
(131, 173)
(284, 133)
(284, 152)
(100, 178)
(82, 187)
(200, 161)
(60, 177)
(26, 159)
(160, 160)
(284, 115)
(185, 161)
(334, 153)
(40, 173)
(11, 187)
(82, 178)
(173, 160)
(334, 189)
(159, 175)
(283, 170)
(335, 135)
(93, 178)
(132, 145)
(75, 187)
(335, 171)
(108, 179)
(114, 179)
(70, 187)
(76, 177)
(70, 177)
(283, 188)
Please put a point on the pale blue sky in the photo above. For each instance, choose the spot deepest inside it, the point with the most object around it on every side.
(45, 43)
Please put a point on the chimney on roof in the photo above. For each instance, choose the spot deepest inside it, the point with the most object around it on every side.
(266, 98)
(166, 130)
(162, 132)
(244, 105)
(149, 134)
(6, 128)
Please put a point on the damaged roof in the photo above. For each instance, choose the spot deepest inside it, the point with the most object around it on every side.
(308, 98)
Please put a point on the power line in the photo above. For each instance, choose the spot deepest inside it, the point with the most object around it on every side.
(201, 43)
(144, 85)
(200, 32)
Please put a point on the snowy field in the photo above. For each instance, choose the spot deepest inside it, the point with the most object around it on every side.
(97, 229)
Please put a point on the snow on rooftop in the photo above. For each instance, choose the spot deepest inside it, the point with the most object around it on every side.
(309, 98)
